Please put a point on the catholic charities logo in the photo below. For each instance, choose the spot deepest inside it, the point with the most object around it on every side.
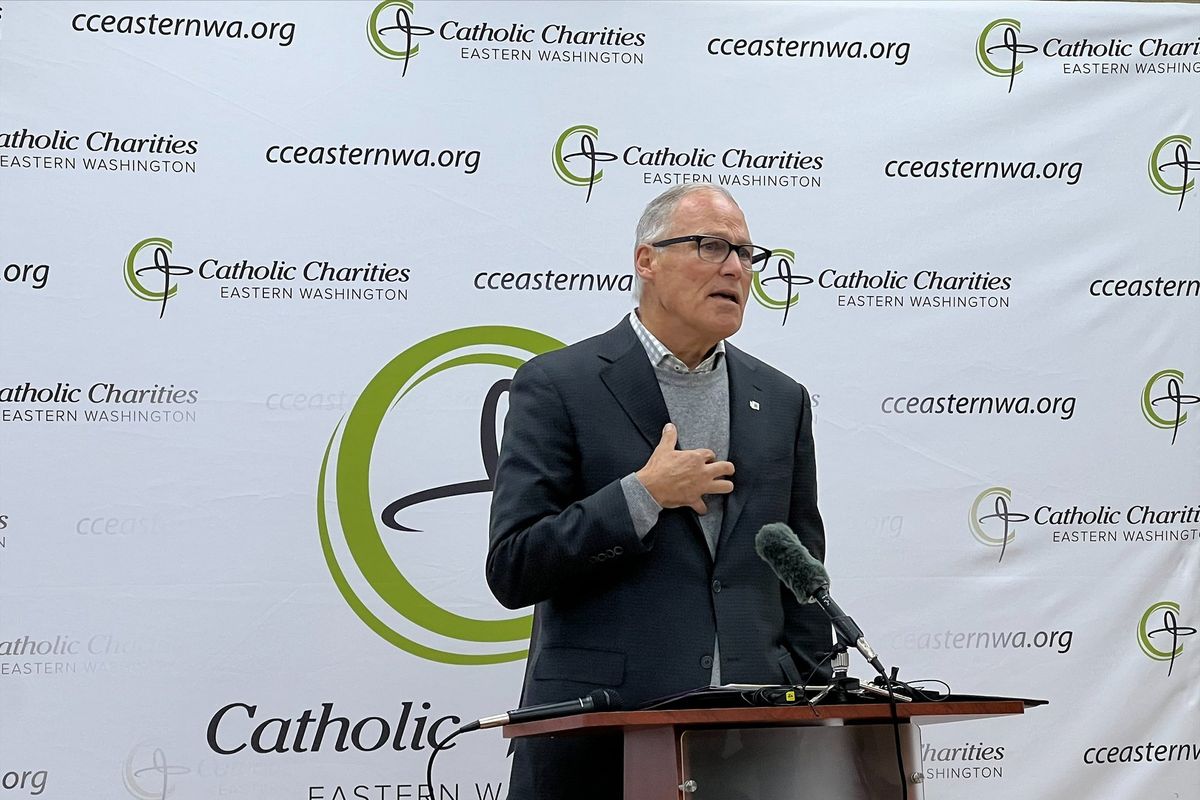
(1163, 400)
(992, 522)
(149, 272)
(390, 446)
(998, 51)
(151, 275)
(391, 32)
(772, 287)
(1171, 167)
(577, 160)
(148, 773)
(1159, 633)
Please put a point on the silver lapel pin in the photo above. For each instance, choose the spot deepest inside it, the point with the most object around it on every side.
(754, 405)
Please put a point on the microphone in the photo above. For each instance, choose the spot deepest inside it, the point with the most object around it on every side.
(806, 577)
(599, 700)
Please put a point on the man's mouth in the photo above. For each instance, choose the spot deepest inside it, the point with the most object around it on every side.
(729, 295)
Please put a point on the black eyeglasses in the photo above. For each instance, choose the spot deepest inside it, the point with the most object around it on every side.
(715, 249)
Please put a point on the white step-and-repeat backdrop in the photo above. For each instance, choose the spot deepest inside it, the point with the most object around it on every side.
(265, 265)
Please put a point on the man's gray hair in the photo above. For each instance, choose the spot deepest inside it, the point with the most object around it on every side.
(655, 219)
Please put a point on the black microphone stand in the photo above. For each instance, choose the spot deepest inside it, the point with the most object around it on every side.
(842, 688)
(841, 685)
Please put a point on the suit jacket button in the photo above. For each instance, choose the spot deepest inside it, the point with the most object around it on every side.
(706, 662)
(716, 587)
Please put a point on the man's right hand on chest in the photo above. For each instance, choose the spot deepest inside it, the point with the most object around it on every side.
(678, 478)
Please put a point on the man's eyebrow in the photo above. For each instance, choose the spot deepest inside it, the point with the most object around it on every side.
(722, 236)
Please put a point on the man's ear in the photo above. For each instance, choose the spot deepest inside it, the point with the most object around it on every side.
(644, 257)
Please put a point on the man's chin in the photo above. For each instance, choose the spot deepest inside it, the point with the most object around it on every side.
(727, 327)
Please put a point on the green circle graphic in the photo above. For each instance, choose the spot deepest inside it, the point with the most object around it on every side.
(1144, 638)
(131, 278)
(760, 293)
(1156, 177)
(1148, 402)
(981, 54)
(560, 166)
(351, 472)
(377, 43)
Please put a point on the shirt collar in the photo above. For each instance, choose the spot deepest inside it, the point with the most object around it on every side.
(663, 358)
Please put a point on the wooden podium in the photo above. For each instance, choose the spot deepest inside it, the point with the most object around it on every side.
(835, 752)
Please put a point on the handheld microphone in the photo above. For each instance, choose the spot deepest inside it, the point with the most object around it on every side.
(599, 700)
(806, 577)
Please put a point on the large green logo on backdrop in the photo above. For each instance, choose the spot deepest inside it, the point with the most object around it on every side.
(365, 572)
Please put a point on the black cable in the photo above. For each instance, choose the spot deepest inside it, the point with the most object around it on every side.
(437, 748)
(912, 687)
(896, 734)
(777, 696)
(828, 656)
(774, 696)
(820, 664)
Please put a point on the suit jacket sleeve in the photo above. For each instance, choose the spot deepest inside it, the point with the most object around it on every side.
(808, 630)
(546, 535)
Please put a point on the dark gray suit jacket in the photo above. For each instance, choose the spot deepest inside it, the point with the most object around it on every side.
(640, 615)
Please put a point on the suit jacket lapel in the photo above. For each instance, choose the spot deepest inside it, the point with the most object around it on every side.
(630, 377)
(746, 429)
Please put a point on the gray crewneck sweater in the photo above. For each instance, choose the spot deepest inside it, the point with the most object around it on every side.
(698, 405)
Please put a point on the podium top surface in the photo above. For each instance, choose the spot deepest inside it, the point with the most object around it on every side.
(862, 713)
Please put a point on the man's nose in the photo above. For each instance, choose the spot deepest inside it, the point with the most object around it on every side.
(732, 265)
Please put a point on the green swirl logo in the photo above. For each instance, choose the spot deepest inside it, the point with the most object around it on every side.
(1162, 395)
(390, 31)
(1001, 60)
(1172, 156)
(778, 270)
(149, 258)
(154, 250)
(1164, 616)
(578, 144)
(1148, 400)
(373, 583)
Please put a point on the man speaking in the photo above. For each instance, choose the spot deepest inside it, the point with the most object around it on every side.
(635, 469)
